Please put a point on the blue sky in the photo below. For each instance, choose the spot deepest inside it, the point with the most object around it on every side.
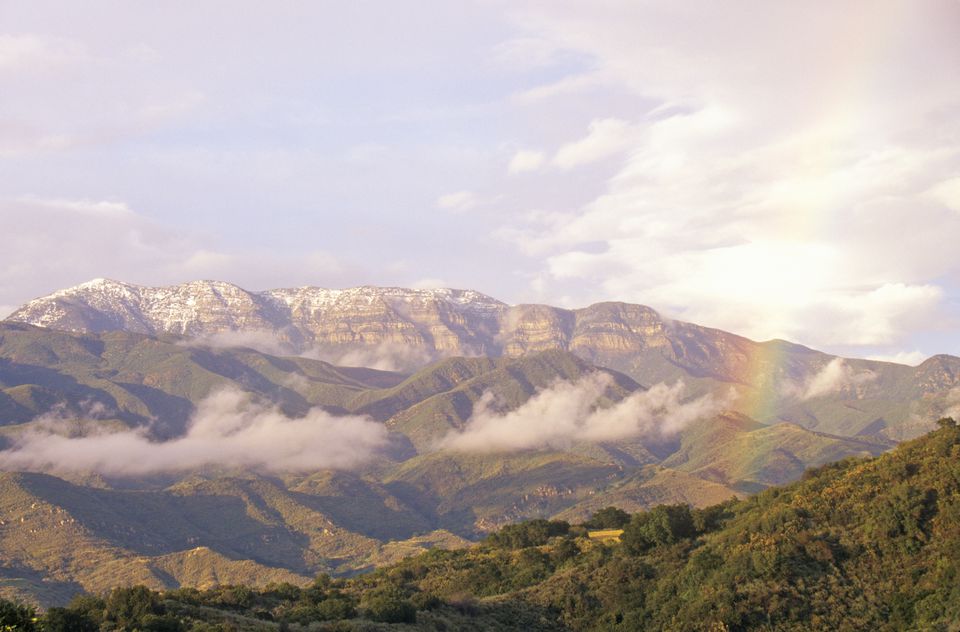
(774, 169)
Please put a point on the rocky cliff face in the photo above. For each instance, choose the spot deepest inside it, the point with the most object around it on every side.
(397, 328)
(440, 322)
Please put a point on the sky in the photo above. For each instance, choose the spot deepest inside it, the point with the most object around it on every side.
(776, 169)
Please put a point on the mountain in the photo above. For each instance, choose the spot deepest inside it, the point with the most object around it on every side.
(862, 544)
(108, 357)
(396, 328)
(141, 380)
(453, 322)
(60, 528)
(199, 532)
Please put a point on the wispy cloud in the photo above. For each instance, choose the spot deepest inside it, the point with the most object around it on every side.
(386, 356)
(952, 404)
(837, 375)
(263, 340)
(227, 430)
(569, 412)
(457, 202)
(735, 186)
(606, 138)
(526, 160)
(910, 358)
(34, 52)
(62, 242)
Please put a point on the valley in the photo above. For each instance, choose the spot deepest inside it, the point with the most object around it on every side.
(622, 373)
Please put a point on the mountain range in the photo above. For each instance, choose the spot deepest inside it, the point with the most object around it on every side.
(401, 329)
(862, 544)
(423, 366)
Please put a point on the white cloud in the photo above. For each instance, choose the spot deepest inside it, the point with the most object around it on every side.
(227, 430)
(910, 358)
(765, 194)
(951, 404)
(428, 284)
(947, 193)
(605, 138)
(103, 208)
(525, 53)
(567, 412)
(526, 160)
(457, 202)
(159, 112)
(33, 52)
(741, 140)
(262, 340)
(386, 356)
(562, 87)
(59, 243)
(834, 377)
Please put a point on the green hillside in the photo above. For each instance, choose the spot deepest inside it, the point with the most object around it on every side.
(861, 544)
(86, 531)
(140, 380)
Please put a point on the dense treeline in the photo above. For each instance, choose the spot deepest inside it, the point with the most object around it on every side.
(859, 544)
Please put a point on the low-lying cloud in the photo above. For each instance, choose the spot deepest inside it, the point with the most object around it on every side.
(952, 404)
(386, 356)
(836, 376)
(262, 340)
(228, 429)
(567, 412)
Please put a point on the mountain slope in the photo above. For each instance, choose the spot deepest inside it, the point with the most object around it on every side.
(62, 536)
(739, 452)
(201, 532)
(864, 544)
(396, 328)
(142, 380)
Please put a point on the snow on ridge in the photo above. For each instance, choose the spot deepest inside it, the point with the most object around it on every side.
(178, 308)
(324, 298)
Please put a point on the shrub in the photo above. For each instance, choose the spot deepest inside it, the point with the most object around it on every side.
(389, 605)
(530, 533)
(127, 607)
(664, 524)
(608, 518)
(66, 620)
(17, 616)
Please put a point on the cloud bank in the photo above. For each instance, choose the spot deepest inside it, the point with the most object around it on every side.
(643, 151)
(386, 356)
(762, 194)
(263, 340)
(952, 404)
(57, 242)
(836, 376)
(227, 430)
(567, 412)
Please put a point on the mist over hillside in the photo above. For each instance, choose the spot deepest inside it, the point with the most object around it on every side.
(119, 417)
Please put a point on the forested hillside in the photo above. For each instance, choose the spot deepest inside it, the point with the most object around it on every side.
(860, 544)
(78, 513)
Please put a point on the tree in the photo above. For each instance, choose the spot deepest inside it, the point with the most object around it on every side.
(664, 524)
(17, 616)
(530, 533)
(389, 605)
(127, 607)
(947, 422)
(66, 620)
(608, 518)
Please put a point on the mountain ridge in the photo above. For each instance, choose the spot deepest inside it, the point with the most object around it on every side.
(406, 329)
(776, 409)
